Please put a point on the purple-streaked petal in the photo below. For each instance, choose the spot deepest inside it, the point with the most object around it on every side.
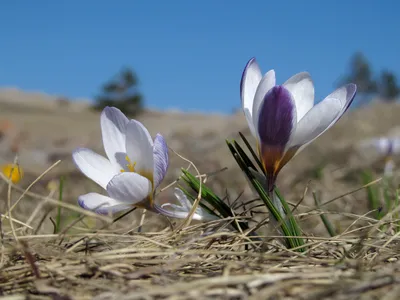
(302, 89)
(265, 85)
(323, 116)
(101, 204)
(277, 117)
(130, 188)
(94, 166)
(276, 122)
(161, 159)
(139, 148)
(113, 129)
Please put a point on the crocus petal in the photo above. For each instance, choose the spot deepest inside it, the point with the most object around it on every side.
(130, 188)
(175, 213)
(173, 206)
(276, 122)
(101, 204)
(113, 129)
(323, 115)
(183, 200)
(302, 89)
(251, 77)
(139, 149)
(181, 212)
(161, 159)
(94, 166)
(277, 117)
(265, 85)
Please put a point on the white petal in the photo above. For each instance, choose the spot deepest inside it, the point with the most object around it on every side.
(266, 83)
(322, 116)
(199, 215)
(183, 200)
(101, 204)
(302, 89)
(113, 129)
(161, 159)
(144, 129)
(251, 77)
(129, 187)
(94, 166)
(174, 207)
(139, 147)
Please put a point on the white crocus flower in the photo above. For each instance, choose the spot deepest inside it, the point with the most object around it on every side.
(283, 118)
(185, 207)
(134, 167)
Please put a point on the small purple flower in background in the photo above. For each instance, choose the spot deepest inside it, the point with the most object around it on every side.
(385, 147)
(135, 166)
(283, 118)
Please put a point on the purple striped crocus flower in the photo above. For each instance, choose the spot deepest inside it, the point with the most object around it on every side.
(283, 118)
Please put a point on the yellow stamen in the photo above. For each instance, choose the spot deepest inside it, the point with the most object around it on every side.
(130, 165)
(13, 172)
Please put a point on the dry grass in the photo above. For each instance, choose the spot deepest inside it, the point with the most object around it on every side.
(200, 261)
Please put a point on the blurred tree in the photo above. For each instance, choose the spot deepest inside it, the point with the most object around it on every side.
(361, 75)
(388, 88)
(121, 92)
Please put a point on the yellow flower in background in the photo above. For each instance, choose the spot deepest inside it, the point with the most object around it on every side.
(13, 171)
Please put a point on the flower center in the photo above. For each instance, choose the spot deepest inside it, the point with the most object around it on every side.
(130, 165)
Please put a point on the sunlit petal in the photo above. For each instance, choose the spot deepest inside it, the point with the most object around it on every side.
(322, 116)
(130, 188)
(139, 148)
(251, 77)
(96, 167)
(113, 129)
(302, 89)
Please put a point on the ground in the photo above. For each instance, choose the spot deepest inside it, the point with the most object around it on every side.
(156, 258)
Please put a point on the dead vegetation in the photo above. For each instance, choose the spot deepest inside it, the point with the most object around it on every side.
(200, 261)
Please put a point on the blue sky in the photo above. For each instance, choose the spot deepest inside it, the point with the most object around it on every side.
(189, 54)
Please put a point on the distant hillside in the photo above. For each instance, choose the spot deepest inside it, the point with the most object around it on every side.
(46, 130)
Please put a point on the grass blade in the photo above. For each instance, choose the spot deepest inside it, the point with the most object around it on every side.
(328, 225)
